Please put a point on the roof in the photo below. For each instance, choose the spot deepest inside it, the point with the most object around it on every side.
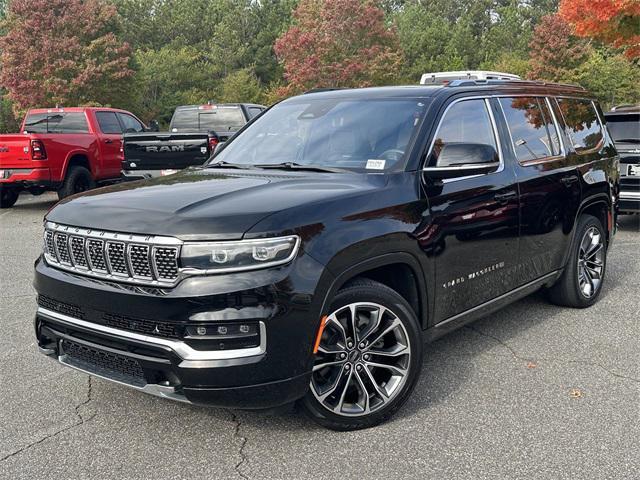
(624, 109)
(73, 109)
(214, 104)
(457, 86)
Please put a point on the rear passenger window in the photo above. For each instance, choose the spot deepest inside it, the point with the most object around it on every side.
(582, 123)
(532, 130)
(108, 122)
(254, 111)
(467, 121)
(74, 122)
(63, 122)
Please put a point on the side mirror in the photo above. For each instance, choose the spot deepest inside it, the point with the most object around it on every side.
(464, 159)
(154, 126)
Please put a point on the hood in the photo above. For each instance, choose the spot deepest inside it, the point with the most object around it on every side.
(201, 204)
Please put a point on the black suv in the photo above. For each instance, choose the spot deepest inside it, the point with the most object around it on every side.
(314, 256)
(624, 125)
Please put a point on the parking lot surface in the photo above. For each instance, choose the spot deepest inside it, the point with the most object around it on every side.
(534, 391)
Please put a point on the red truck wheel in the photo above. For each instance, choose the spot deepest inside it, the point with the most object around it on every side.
(8, 197)
(78, 180)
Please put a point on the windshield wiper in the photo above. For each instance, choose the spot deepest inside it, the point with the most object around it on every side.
(223, 164)
(299, 166)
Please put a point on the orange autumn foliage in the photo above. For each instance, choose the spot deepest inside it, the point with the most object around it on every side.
(615, 22)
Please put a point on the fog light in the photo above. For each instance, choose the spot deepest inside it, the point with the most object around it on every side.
(244, 328)
(222, 330)
(201, 330)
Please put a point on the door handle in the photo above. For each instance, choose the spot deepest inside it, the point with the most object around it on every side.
(108, 140)
(506, 196)
(566, 181)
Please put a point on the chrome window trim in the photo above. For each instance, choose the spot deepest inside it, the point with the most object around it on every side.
(541, 160)
(494, 127)
(184, 351)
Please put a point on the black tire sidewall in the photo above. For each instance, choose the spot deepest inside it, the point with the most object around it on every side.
(8, 197)
(376, 293)
(75, 174)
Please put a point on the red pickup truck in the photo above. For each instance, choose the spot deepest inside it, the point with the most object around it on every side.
(68, 150)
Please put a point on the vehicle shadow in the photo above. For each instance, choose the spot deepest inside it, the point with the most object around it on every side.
(29, 203)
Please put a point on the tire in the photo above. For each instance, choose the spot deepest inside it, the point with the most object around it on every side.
(581, 282)
(332, 405)
(78, 180)
(8, 197)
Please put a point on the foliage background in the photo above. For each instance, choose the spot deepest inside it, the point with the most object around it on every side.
(191, 51)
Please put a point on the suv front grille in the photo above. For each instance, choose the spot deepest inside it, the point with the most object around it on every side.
(114, 256)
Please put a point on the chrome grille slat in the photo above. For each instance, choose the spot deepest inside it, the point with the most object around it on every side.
(146, 260)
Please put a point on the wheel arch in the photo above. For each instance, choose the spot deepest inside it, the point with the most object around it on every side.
(600, 207)
(77, 158)
(400, 271)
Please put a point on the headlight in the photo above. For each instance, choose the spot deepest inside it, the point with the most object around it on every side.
(220, 257)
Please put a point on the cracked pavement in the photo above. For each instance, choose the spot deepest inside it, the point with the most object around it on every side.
(531, 392)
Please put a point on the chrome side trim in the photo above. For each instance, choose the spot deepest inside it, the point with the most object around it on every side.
(184, 351)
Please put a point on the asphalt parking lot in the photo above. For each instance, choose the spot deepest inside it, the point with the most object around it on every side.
(535, 391)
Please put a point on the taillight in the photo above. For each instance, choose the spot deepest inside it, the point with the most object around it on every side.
(213, 141)
(37, 150)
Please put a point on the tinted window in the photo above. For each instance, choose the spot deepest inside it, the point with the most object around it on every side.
(467, 121)
(130, 124)
(108, 122)
(254, 111)
(207, 118)
(362, 134)
(624, 127)
(533, 132)
(582, 123)
(63, 122)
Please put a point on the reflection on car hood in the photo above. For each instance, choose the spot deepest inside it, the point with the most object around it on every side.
(202, 203)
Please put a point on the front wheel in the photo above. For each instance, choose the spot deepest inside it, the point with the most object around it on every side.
(581, 282)
(368, 360)
(8, 197)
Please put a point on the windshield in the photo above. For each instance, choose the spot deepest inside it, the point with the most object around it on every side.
(624, 127)
(203, 119)
(366, 135)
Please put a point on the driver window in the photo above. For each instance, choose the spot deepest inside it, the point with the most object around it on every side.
(467, 121)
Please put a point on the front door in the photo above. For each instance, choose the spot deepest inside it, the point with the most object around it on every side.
(473, 233)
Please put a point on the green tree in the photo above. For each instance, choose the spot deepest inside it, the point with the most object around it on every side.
(241, 86)
(171, 76)
(612, 77)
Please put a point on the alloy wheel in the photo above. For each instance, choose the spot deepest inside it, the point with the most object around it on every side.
(590, 262)
(363, 359)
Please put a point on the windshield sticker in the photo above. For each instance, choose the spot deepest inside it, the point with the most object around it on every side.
(375, 164)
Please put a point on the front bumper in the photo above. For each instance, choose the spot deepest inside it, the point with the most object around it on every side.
(70, 328)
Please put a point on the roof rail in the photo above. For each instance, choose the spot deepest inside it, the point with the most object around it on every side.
(323, 89)
(471, 83)
(443, 78)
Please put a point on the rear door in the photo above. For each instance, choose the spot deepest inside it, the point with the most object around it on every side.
(473, 235)
(548, 182)
(110, 141)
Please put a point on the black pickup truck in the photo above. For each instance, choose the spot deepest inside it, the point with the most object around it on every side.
(193, 134)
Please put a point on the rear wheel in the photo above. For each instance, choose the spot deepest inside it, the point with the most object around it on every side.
(8, 197)
(581, 283)
(368, 360)
(78, 180)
